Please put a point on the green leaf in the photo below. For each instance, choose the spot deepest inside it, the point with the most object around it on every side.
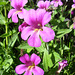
(65, 47)
(55, 57)
(5, 34)
(46, 61)
(24, 45)
(13, 39)
(62, 32)
(2, 19)
(3, 3)
(29, 50)
(41, 48)
(7, 63)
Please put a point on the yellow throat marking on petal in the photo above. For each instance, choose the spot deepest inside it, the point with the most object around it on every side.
(18, 11)
(38, 30)
(32, 66)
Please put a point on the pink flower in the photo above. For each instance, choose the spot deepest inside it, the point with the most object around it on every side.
(30, 65)
(62, 65)
(73, 6)
(74, 25)
(36, 19)
(18, 9)
(22, 26)
(56, 3)
(43, 5)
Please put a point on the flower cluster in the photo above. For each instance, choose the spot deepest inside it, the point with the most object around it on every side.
(34, 22)
(32, 29)
(56, 3)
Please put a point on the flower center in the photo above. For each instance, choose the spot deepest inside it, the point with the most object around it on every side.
(31, 66)
(38, 28)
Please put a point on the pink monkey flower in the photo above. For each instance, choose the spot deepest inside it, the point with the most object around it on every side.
(18, 9)
(56, 3)
(74, 25)
(22, 26)
(73, 6)
(30, 65)
(37, 19)
(43, 5)
(62, 65)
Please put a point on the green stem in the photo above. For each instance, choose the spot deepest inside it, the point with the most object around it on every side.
(6, 26)
(6, 36)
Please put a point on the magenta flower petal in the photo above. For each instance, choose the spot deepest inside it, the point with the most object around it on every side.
(47, 4)
(73, 6)
(24, 2)
(22, 26)
(13, 3)
(46, 18)
(52, 2)
(47, 34)
(37, 71)
(35, 59)
(62, 65)
(11, 12)
(43, 5)
(34, 40)
(60, 3)
(24, 58)
(40, 15)
(14, 18)
(20, 15)
(30, 17)
(74, 1)
(26, 33)
(56, 5)
(28, 73)
(20, 69)
(40, 4)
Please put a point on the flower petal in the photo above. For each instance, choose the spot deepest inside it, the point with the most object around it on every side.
(27, 31)
(37, 71)
(15, 18)
(73, 6)
(35, 59)
(55, 4)
(60, 3)
(34, 40)
(40, 14)
(24, 58)
(46, 18)
(74, 1)
(41, 4)
(11, 12)
(30, 17)
(47, 34)
(20, 69)
(24, 2)
(28, 73)
(20, 15)
(47, 3)
(14, 3)
(22, 26)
